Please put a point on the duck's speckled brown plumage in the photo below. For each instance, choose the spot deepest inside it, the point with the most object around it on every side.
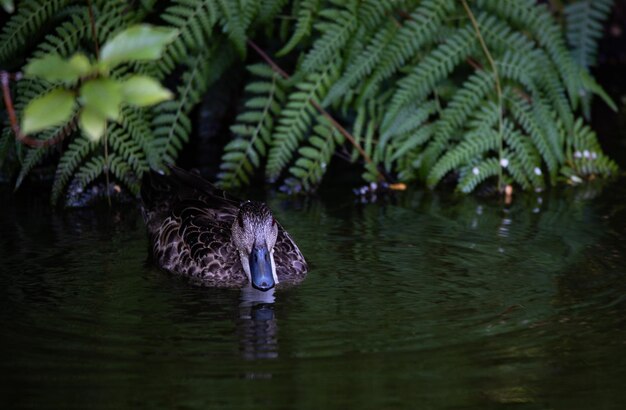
(189, 222)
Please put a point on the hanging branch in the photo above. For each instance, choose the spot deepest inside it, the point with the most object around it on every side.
(5, 77)
(318, 107)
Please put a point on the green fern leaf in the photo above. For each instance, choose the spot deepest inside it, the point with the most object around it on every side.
(253, 128)
(90, 170)
(194, 20)
(310, 167)
(268, 9)
(75, 154)
(433, 68)
(539, 22)
(25, 24)
(417, 32)
(523, 113)
(236, 20)
(524, 152)
(584, 21)
(306, 10)
(337, 29)
(475, 145)
(295, 119)
(476, 174)
(171, 123)
(483, 119)
(364, 64)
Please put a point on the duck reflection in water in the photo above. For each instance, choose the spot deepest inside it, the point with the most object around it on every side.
(256, 325)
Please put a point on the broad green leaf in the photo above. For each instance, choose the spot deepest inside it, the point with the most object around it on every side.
(142, 91)
(80, 63)
(53, 68)
(92, 123)
(53, 108)
(139, 42)
(103, 95)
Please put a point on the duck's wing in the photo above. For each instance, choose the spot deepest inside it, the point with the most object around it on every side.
(212, 195)
(290, 264)
(161, 194)
(191, 241)
(204, 230)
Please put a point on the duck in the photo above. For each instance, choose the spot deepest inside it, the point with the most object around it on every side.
(201, 232)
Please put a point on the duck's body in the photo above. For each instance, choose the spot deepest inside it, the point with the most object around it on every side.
(199, 231)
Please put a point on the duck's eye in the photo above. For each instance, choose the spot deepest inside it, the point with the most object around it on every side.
(240, 220)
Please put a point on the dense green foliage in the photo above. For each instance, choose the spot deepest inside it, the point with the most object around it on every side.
(424, 88)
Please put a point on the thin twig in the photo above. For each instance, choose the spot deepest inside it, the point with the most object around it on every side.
(475, 64)
(25, 139)
(494, 68)
(92, 23)
(318, 107)
(268, 60)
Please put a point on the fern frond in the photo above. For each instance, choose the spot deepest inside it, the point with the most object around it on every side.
(314, 158)
(475, 145)
(268, 9)
(408, 120)
(75, 154)
(90, 170)
(98, 166)
(364, 63)
(584, 27)
(337, 28)
(476, 174)
(135, 123)
(430, 70)
(585, 157)
(306, 10)
(364, 128)
(523, 113)
(416, 32)
(524, 152)
(127, 148)
(32, 158)
(515, 169)
(253, 128)
(371, 12)
(482, 121)
(171, 124)
(194, 20)
(296, 117)
(25, 24)
(591, 85)
(410, 141)
(67, 36)
(463, 103)
(236, 20)
(123, 173)
(539, 22)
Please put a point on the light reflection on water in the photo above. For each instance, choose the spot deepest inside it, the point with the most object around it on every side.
(426, 300)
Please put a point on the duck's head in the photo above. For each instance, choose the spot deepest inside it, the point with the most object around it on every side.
(254, 233)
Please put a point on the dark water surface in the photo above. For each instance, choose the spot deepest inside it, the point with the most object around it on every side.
(424, 302)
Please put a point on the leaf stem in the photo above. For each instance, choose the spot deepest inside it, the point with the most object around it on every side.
(92, 23)
(494, 68)
(25, 139)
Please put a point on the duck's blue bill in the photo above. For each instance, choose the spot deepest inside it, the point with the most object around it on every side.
(261, 269)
